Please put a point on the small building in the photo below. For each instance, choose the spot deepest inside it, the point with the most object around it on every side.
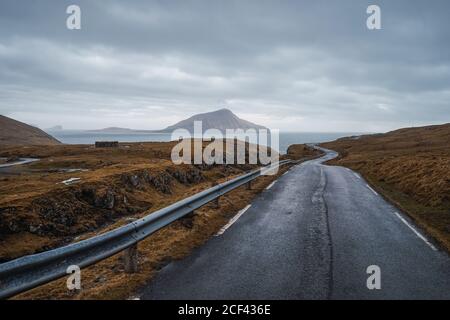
(106, 144)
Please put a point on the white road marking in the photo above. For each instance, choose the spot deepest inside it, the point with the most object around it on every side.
(356, 175)
(233, 220)
(270, 185)
(285, 173)
(372, 190)
(415, 231)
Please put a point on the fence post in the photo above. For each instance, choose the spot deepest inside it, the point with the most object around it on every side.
(249, 185)
(130, 258)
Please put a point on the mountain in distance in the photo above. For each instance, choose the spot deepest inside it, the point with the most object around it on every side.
(55, 128)
(221, 119)
(13, 132)
(117, 130)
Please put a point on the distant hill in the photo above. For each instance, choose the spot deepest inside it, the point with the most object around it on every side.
(409, 139)
(221, 119)
(14, 132)
(55, 128)
(115, 130)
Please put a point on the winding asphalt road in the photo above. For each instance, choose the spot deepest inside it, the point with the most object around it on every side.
(312, 235)
(18, 162)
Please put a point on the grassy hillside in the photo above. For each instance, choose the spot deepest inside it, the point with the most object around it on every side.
(14, 132)
(411, 167)
(112, 183)
(301, 151)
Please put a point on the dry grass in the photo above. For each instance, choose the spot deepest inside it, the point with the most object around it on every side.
(107, 279)
(13, 132)
(32, 190)
(38, 212)
(301, 151)
(410, 167)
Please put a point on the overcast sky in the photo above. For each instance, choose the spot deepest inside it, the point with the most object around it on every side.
(292, 65)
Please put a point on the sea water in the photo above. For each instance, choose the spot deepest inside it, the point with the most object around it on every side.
(286, 138)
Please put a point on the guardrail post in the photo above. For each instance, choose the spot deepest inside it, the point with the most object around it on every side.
(130, 258)
(249, 185)
(216, 203)
(31, 271)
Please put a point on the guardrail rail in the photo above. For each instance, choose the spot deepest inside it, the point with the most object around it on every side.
(30, 271)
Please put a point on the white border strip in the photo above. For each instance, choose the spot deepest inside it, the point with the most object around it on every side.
(374, 192)
(415, 231)
(270, 185)
(233, 220)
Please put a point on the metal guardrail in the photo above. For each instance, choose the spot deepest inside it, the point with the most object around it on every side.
(30, 271)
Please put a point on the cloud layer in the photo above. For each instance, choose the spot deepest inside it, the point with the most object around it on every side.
(293, 65)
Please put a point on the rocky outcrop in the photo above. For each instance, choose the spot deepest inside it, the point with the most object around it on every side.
(161, 181)
(189, 176)
(87, 206)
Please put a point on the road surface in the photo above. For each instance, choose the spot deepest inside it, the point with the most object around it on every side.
(311, 235)
(18, 162)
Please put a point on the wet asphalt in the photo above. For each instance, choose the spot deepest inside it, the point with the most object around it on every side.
(312, 235)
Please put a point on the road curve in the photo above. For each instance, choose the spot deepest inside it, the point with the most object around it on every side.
(312, 235)
(18, 162)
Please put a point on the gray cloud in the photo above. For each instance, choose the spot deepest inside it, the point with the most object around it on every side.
(295, 65)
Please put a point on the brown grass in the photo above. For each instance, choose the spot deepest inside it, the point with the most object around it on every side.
(38, 212)
(410, 167)
(107, 280)
(13, 132)
(33, 189)
(301, 151)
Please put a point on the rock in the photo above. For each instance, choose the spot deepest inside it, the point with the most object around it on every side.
(98, 198)
(189, 176)
(14, 226)
(56, 212)
(134, 181)
(110, 199)
(34, 229)
(162, 182)
(88, 195)
(100, 279)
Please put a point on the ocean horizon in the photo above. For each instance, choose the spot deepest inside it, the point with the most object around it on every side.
(90, 137)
